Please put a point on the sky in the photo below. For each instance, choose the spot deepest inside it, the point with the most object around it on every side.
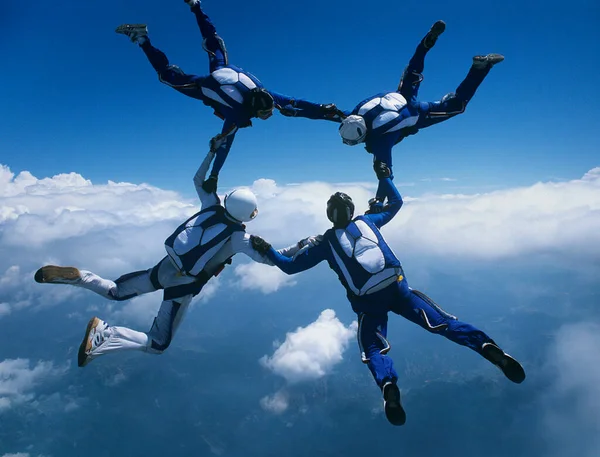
(500, 226)
(78, 97)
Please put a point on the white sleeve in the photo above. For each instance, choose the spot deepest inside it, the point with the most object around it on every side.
(240, 242)
(206, 199)
(289, 251)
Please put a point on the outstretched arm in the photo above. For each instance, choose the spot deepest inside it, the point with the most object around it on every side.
(297, 107)
(388, 190)
(221, 145)
(307, 259)
(206, 198)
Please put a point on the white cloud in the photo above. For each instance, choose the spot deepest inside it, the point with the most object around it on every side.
(551, 217)
(18, 454)
(267, 279)
(17, 380)
(311, 352)
(116, 228)
(276, 403)
(572, 404)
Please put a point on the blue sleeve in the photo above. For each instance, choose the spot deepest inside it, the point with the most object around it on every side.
(223, 151)
(304, 261)
(394, 203)
(301, 108)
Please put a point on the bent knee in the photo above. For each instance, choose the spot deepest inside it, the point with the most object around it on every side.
(158, 347)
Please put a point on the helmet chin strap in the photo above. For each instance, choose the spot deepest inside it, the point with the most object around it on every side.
(231, 218)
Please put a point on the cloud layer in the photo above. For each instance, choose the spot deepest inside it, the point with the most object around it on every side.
(18, 378)
(572, 404)
(115, 228)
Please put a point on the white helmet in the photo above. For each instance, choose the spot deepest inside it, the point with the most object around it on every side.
(353, 130)
(241, 204)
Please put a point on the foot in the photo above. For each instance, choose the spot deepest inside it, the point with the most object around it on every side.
(192, 3)
(509, 366)
(485, 62)
(436, 30)
(57, 275)
(392, 405)
(137, 33)
(93, 339)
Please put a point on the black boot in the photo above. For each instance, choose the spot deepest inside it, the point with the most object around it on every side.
(509, 366)
(487, 61)
(392, 405)
(436, 30)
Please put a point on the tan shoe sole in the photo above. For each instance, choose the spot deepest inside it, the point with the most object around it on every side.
(86, 345)
(53, 273)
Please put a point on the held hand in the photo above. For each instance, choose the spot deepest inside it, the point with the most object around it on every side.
(210, 185)
(332, 112)
(381, 169)
(216, 142)
(259, 245)
(310, 241)
(375, 206)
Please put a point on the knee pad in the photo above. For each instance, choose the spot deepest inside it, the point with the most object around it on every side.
(177, 70)
(433, 304)
(382, 343)
(413, 77)
(452, 106)
(219, 44)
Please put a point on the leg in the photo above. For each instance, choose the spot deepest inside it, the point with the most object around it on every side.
(371, 334)
(452, 104)
(171, 75)
(420, 309)
(123, 288)
(212, 43)
(413, 73)
(101, 338)
(372, 342)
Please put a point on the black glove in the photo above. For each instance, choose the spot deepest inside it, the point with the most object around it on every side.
(259, 245)
(381, 169)
(375, 206)
(331, 111)
(210, 185)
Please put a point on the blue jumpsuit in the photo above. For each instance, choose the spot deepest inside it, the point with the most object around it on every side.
(372, 308)
(224, 88)
(394, 118)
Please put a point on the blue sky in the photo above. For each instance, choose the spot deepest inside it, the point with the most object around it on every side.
(77, 97)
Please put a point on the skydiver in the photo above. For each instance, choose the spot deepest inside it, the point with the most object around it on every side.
(236, 95)
(385, 119)
(375, 284)
(196, 251)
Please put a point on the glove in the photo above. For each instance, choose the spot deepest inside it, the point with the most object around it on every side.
(310, 241)
(331, 111)
(210, 185)
(259, 245)
(375, 206)
(216, 142)
(381, 169)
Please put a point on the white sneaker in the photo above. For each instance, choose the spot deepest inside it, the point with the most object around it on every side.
(93, 339)
(137, 33)
(192, 3)
(57, 275)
